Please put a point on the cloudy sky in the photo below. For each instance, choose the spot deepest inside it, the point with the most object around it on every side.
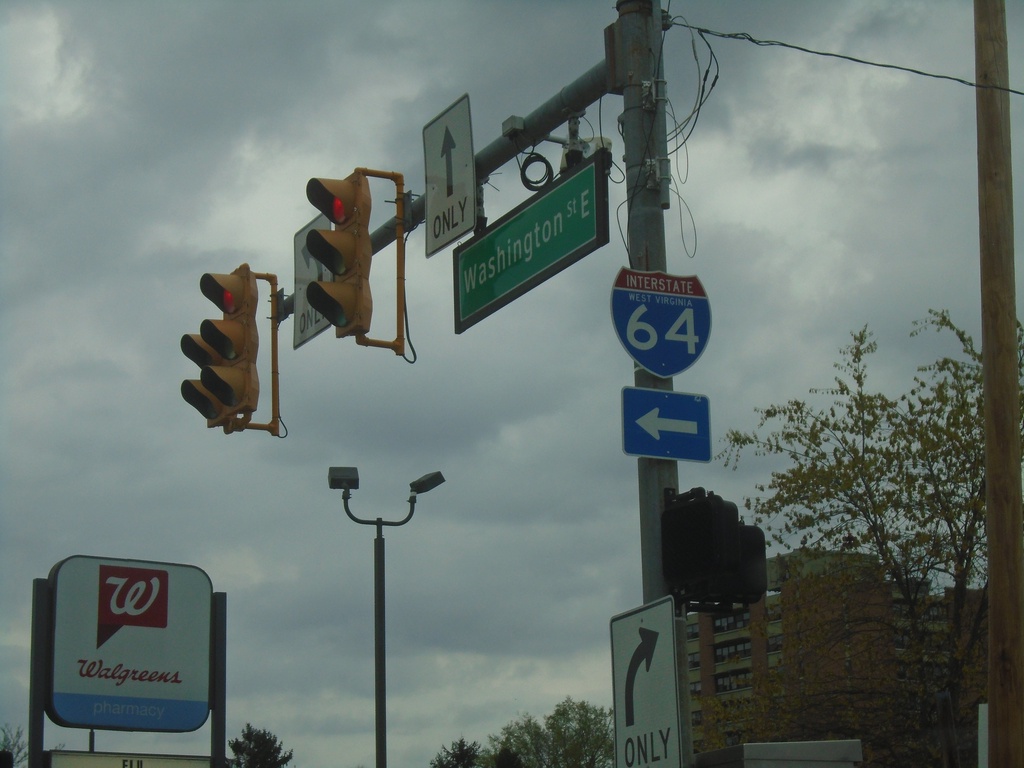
(145, 143)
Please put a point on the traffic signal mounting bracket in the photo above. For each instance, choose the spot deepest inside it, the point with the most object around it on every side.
(274, 425)
(398, 345)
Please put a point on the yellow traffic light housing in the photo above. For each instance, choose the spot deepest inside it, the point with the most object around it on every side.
(346, 251)
(228, 389)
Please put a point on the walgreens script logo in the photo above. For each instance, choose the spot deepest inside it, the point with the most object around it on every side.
(130, 597)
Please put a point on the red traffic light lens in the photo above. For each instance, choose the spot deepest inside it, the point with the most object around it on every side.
(335, 198)
(218, 289)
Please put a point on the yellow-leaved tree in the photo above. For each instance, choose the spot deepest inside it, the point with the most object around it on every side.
(882, 500)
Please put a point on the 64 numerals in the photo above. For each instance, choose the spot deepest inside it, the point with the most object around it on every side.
(644, 336)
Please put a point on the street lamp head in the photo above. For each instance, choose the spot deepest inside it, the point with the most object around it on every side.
(426, 483)
(346, 478)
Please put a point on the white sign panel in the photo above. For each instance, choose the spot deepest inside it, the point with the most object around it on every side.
(66, 759)
(307, 322)
(450, 165)
(131, 645)
(645, 687)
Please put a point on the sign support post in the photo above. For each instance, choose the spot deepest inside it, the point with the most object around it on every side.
(639, 77)
(218, 680)
(39, 670)
(642, 114)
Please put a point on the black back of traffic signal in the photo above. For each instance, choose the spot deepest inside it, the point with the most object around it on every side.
(708, 556)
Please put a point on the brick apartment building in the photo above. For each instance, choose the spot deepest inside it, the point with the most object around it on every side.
(836, 641)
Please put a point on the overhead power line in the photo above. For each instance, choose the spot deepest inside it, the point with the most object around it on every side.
(750, 39)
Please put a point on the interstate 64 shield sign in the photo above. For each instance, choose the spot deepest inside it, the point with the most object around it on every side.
(663, 321)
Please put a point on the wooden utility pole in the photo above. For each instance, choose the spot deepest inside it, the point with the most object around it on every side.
(1001, 390)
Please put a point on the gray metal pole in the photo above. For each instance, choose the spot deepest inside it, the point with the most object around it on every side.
(379, 661)
(39, 670)
(219, 675)
(349, 480)
(642, 110)
(640, 66)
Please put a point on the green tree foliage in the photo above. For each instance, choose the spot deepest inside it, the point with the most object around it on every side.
(258, 748)
(902, 480)
(459, 755)
(575, 735)
(12, 739)
(506, 758)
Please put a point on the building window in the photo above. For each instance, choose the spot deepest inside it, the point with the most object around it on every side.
(693, 660)
(774, 643)
(695, 688)
(739, 649)
(732, 621)
(733, 681)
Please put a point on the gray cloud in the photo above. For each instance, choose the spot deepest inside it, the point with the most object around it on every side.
(144, 144)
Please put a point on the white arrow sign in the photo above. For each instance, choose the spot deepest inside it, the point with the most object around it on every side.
(645, 687)
(663, 424)
(652, 423)
(450, 171)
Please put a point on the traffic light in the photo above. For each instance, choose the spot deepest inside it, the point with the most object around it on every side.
(345, 250)
(708, 556)
(747, 582)
(228, 388)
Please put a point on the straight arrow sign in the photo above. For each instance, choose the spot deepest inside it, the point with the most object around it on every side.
(449, 164)
(447, 146)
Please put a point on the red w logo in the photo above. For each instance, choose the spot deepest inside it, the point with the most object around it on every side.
(130, 597)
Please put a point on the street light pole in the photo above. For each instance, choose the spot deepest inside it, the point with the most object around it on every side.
(379, 663)
(347, 478)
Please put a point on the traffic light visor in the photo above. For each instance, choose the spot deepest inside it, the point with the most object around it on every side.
(200, 398)
(197, 350)
(335, 249)
(334, 198)
(226, 291)
(337, 302)
(226, 384)
(225, 337)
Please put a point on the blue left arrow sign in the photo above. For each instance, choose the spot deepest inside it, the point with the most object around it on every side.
(663, 424)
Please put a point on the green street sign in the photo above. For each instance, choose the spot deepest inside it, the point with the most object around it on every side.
(555, 228)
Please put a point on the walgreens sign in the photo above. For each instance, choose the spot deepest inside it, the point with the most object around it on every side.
(131, 645)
